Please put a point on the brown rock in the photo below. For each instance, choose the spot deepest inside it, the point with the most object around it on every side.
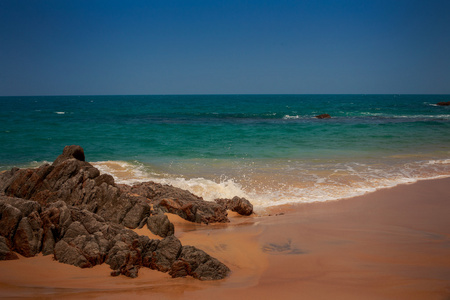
(323, 116)
(198, 264)
(443, 103)
(5, 252)
(9, 220)
(70, 152)
(28, 238)
(240, 205)
(159, 224)
(181, 202)
(165, 254)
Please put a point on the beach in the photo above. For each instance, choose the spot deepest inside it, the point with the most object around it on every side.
(390, 244)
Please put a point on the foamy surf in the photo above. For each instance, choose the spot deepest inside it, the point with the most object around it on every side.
(289, 185)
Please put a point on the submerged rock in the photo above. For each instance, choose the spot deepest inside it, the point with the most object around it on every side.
(323, 116)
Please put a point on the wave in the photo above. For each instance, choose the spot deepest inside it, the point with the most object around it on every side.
(280, 184)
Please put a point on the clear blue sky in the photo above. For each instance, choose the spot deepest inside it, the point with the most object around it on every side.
(218, 47)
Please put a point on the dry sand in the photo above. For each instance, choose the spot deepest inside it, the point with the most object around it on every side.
(390, 244)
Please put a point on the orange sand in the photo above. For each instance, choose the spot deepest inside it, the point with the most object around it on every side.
(391, 244)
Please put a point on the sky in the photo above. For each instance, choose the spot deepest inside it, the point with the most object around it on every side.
(113, 47)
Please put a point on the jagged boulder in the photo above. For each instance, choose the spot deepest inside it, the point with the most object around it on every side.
(198, 264)
(69, 152)
(240, 205)
(447, 103)
(167, 251)
(160, 224)
(28, 238)
(10, 217)
(180, 202)
(5, 251)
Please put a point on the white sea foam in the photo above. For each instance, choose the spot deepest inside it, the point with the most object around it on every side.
(60, 112)
(439, 162)
(292, 183)
(288, 117)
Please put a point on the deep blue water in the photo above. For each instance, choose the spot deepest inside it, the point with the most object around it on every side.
(230, 135)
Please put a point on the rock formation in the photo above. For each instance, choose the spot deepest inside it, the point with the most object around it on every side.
(323, 116)
(69, 210)
(443, 103)
(240, 205)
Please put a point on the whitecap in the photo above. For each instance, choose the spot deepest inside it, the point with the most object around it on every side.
(288, 117)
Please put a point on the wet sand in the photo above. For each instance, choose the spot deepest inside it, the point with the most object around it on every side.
(390, 244)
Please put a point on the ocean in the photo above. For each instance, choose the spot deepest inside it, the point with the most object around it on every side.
(268, 148)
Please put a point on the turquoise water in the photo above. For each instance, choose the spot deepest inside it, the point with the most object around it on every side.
(269, 148)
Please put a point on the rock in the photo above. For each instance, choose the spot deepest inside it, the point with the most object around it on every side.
(137, 213)
(126, 255)
(10, 217)
(159, 224)
(77, 183)
(71, 211)
(75, 229)
(70, 254)
(198, 264)
(323, 116)
(240, 205)
(28, 237)
(5, 252)
(183, 203)
(165, 254)
(70, 152)
(26, 207)
(443, 103)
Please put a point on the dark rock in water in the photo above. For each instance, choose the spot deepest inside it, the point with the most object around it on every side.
(323, 116)
(159, 224)
(240, 205)
(183, 203)
(443, 103)
(5, 252)
(198, 264)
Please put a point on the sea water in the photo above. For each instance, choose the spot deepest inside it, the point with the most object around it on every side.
(268, 148)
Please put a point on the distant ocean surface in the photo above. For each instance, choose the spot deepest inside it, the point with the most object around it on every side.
(267, 148)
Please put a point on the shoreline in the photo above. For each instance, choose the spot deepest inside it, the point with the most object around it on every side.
(393, 243)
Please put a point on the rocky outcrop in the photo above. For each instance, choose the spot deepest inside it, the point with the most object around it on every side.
(69, 210)
(180, 202)
(81, 238)
(443, 103)
(240, 205)
(323, 116)
(79, 184)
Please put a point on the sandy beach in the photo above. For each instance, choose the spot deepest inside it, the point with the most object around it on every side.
(390, 244)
